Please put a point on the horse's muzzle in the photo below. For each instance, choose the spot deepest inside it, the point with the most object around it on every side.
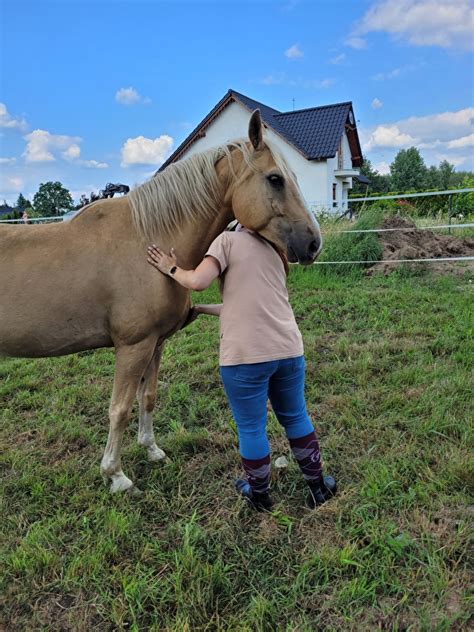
(304, 248)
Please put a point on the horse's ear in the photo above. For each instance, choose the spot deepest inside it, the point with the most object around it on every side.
(255, 130)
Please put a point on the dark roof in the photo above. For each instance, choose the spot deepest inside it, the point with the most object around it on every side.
(317, 131)
(314, 132)
(362, 179)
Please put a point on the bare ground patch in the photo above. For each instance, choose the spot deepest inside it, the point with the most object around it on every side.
(414, 243)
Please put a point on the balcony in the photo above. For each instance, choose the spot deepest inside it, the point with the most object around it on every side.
(349, 172)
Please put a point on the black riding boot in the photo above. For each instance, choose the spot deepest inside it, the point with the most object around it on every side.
(259, 501)
(321, 491)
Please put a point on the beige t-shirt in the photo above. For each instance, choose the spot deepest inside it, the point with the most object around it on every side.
(257, 323)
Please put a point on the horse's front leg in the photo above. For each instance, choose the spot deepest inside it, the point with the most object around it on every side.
(146, 395)
(131, 364)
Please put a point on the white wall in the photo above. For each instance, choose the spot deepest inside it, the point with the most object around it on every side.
(233, 123)
(343, 185)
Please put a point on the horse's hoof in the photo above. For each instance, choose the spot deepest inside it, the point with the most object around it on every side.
(120, 483)
(156, 454)
(134, 491)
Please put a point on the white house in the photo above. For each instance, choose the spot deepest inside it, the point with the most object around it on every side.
(321, 144)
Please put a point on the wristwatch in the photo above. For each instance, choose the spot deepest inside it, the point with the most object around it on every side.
(172, 270)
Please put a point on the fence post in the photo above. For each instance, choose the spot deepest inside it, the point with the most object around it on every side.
(450, 213)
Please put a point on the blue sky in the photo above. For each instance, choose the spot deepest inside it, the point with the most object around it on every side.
(103, 90)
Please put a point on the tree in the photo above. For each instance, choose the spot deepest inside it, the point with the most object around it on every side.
(378, 183)
(446, 172)
(408, 170)
(432, 179)
(52, 199)
(22, 203)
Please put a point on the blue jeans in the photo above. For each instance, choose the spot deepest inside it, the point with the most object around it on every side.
(248, 387)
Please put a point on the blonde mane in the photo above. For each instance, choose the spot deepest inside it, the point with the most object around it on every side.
(188, 189)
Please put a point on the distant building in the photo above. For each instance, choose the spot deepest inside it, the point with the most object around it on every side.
(320, 144)
(6, 210)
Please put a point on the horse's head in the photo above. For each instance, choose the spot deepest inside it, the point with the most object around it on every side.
(266, 198)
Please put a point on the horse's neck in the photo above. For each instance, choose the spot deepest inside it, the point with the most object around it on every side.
(194, 239)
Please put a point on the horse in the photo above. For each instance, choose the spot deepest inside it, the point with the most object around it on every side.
(86, 284)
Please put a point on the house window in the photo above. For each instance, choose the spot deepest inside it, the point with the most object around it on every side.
(340, 157)
(334, 195)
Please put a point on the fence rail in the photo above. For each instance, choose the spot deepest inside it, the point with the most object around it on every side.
(376, 261)
(407, 229)
(399, 196)
(326, 263)
(44, 220)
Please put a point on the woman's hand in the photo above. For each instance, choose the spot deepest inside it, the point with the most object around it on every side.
(210, 310)
(160, 260)
(198, 279)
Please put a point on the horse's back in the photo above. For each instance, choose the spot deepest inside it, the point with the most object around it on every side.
(80, 285)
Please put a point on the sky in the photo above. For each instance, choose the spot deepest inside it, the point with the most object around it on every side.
(103, 91)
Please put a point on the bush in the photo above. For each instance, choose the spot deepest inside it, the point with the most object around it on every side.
(429, 206)
(354, 246)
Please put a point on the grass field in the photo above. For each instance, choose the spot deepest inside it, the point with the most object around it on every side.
(389, 387)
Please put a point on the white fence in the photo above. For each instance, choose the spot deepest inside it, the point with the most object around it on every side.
(35, 220)
(330, 208)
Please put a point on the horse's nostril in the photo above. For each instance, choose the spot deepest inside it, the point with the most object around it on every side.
(314, 246)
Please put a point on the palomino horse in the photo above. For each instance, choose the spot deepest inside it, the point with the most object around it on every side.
(86, 284)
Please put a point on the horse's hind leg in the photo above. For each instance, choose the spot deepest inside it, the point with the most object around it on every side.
(146, 395)
(131, 363)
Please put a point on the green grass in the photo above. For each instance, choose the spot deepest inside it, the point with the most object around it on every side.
(352, 247)
(389, 387)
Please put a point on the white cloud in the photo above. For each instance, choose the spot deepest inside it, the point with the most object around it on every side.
(294, 52)
(315, 83)
(382, 167)
(11, 122)
(444, 23)
(12, 184)
(398, 72)
(383, 76)
(130, 96)
(7, 161)
(443, 136)
(146, 151)
(388, 136)
(376, 104)
(338, 59)
(93, 164)
(72, 152)
(42, 146)
(274, 79)
(447, 129)
(443, 127)
(279, 79)
(454, 160)
(356, 42)
(465, 141)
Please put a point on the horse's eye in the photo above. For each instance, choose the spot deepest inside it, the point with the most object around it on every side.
(276, 180)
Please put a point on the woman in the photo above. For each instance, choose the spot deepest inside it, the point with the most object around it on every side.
(261, 355)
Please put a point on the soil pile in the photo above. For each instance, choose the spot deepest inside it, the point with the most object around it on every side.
(413, 243)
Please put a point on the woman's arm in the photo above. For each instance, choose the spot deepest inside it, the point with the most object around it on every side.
(211, 310)
(198, 279)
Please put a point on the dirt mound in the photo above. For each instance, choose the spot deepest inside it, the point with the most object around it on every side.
(413, 243)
